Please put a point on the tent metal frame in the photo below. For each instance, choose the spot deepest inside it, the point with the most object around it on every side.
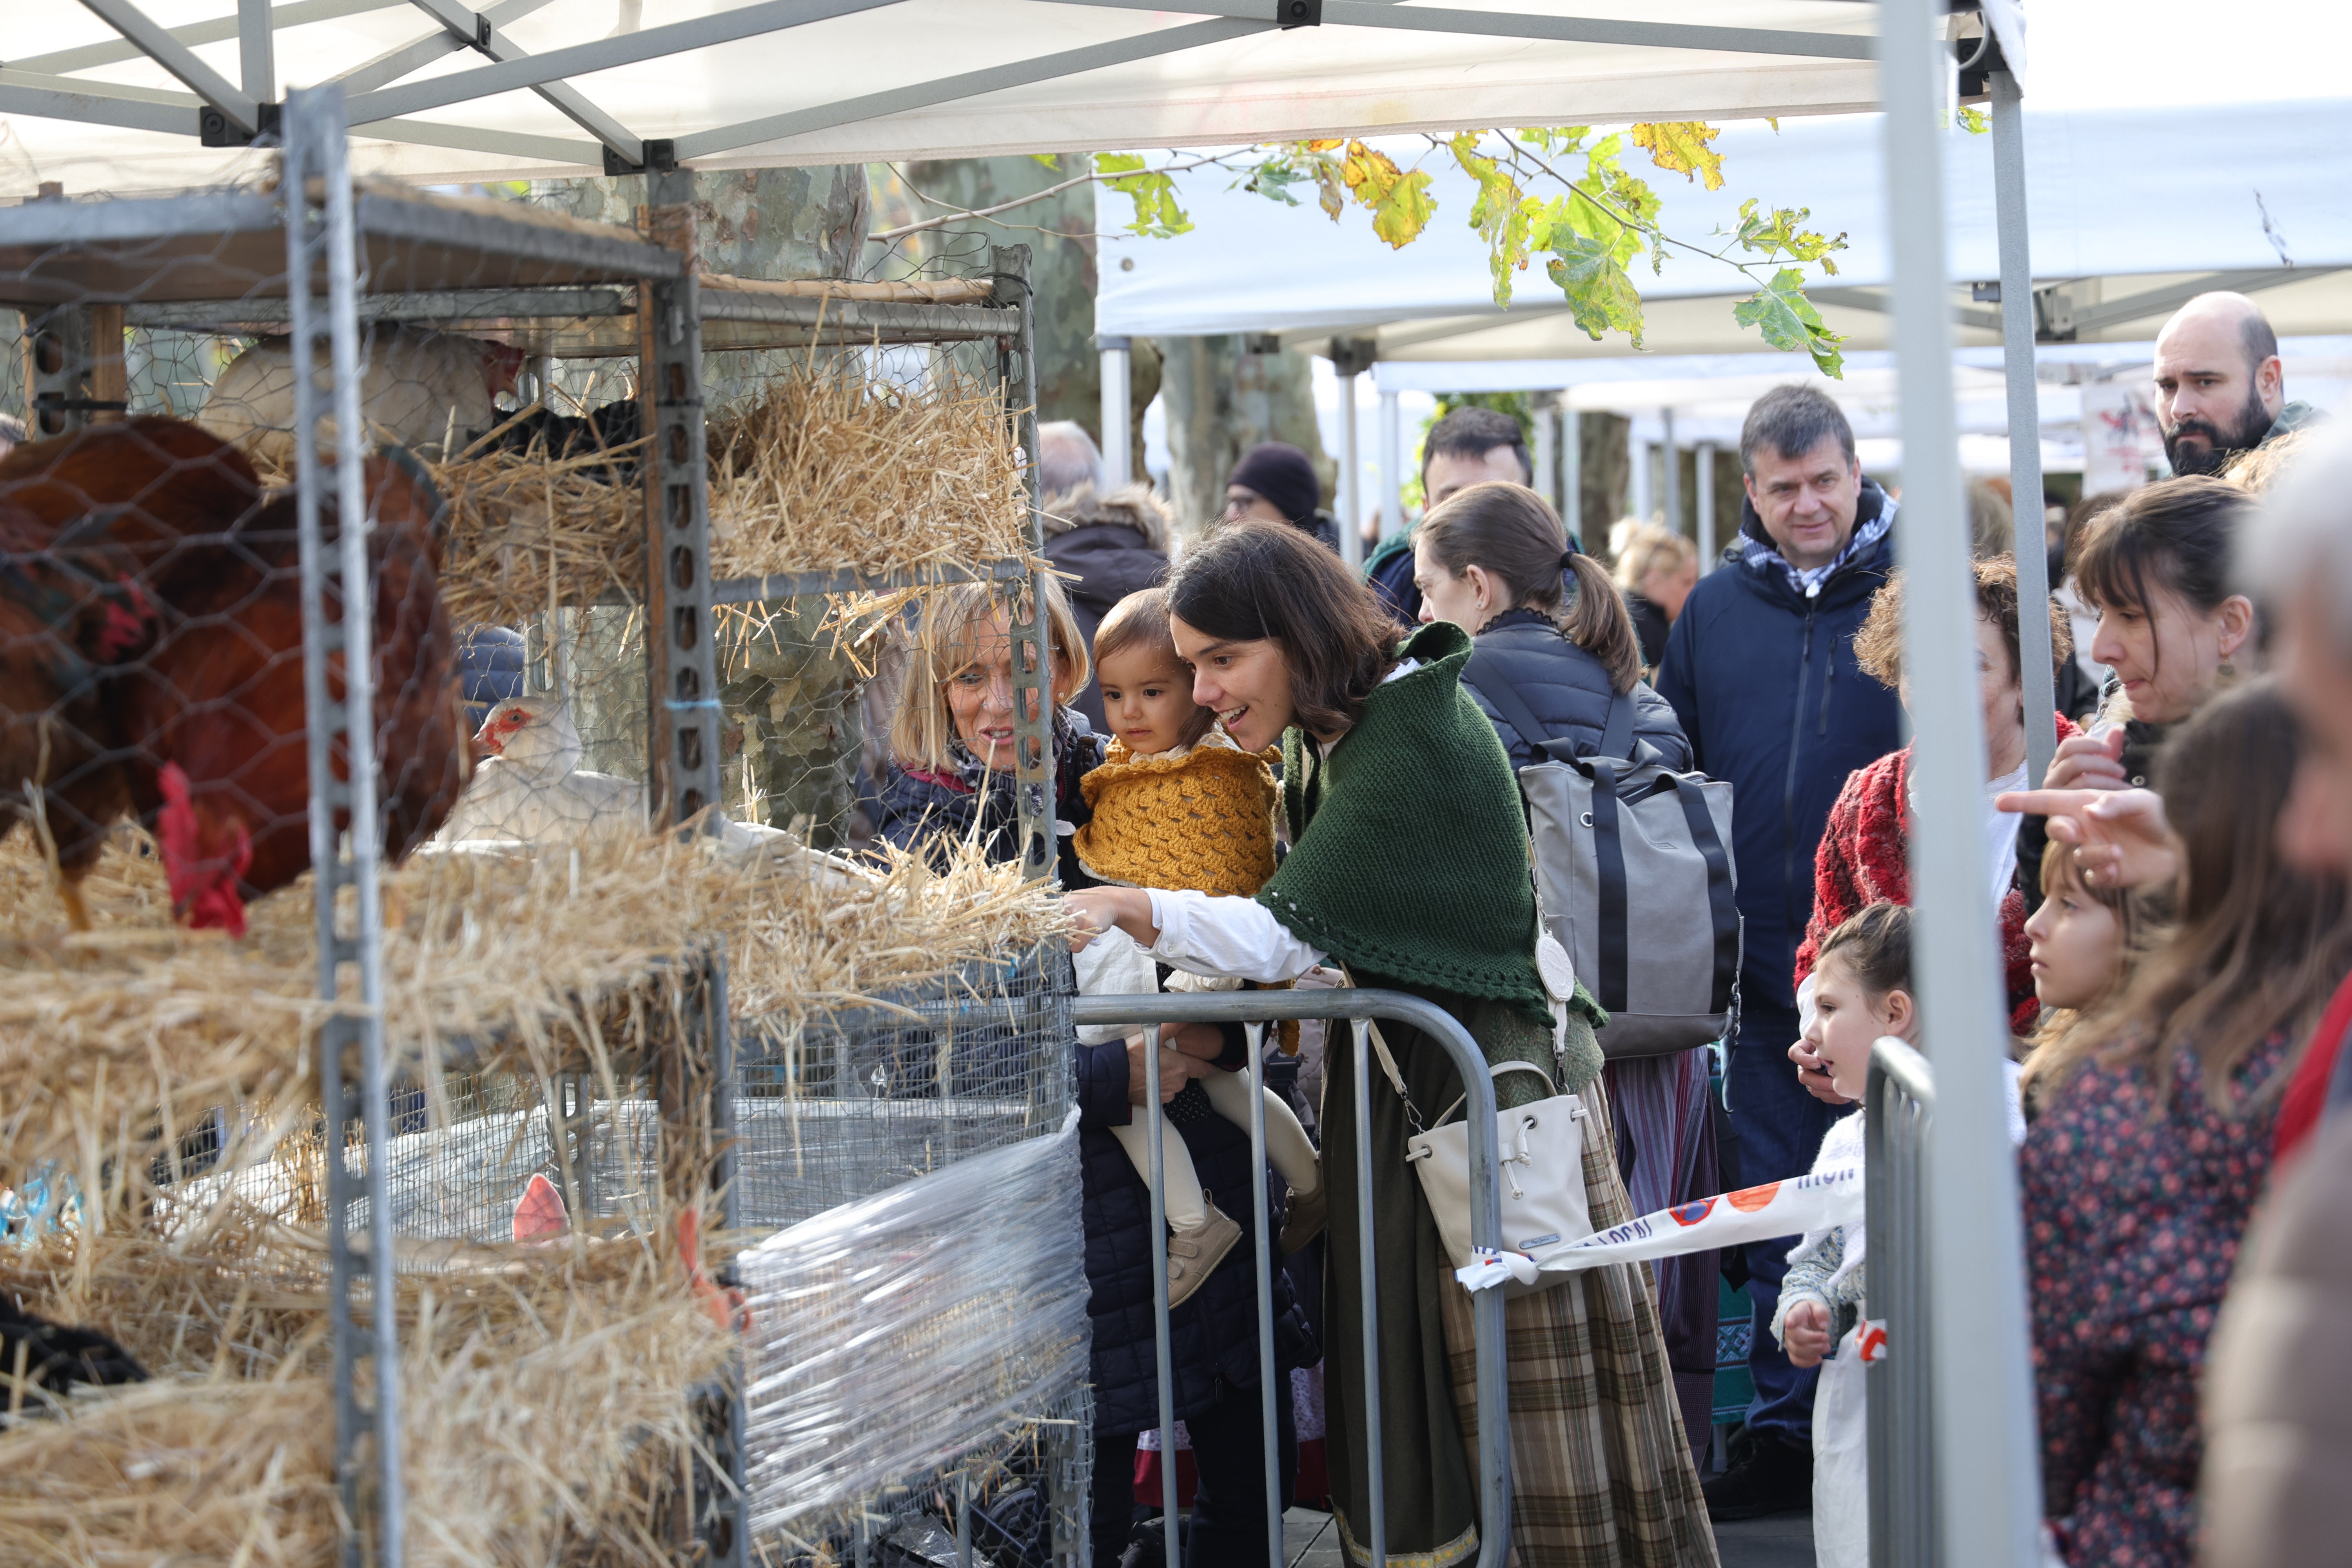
(1984, 1426)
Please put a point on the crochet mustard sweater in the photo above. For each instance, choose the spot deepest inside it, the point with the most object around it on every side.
(1201, 820)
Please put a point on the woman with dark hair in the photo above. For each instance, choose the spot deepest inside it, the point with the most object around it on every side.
(1490, 560)
(2151, 1141)
(1409, 866)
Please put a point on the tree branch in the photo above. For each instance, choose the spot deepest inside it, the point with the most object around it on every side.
(954, 213)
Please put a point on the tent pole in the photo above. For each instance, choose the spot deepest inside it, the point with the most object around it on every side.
(1351, 480)
(1391, 466)
(1985, 1467)
(1705, 465)
(1546, 482)
(1571, 471)
(256, 51)
(2025, 419)
(1671, 453)
(1117, 415)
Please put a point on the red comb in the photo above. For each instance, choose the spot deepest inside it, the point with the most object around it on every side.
(539, 1212)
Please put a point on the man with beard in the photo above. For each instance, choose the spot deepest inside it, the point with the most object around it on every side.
(2220, 389)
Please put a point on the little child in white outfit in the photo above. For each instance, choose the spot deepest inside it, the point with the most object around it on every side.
(1178, 805)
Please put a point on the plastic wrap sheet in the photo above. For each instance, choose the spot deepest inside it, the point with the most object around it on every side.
(894, 1334)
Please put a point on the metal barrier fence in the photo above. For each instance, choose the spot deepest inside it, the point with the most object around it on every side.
(1900, 1106)
(1486, 1230)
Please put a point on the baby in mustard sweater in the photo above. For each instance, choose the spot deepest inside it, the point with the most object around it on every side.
(1178, 805)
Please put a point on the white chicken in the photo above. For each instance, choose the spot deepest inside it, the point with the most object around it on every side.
(418, 387)
(532, 788)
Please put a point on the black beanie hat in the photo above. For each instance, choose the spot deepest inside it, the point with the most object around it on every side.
(1283, 475)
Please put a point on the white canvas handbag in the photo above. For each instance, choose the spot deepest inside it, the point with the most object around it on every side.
(1541, 1152)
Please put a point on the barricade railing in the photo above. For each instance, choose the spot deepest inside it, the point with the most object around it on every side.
(1900, 1108)
(1486, 1230)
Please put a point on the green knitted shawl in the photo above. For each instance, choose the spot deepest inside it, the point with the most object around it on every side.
(1409, 854)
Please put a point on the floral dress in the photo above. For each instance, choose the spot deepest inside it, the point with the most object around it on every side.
(2133, 1217)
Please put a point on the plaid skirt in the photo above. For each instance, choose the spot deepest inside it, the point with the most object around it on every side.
(1601, 1472)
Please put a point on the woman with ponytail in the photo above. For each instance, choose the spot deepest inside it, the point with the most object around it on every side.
(1490, 559)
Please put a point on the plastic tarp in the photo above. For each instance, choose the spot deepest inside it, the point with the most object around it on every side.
(2136, 199)
(912, 79)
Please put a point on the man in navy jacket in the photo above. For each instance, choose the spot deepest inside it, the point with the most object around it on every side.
(1760, 671)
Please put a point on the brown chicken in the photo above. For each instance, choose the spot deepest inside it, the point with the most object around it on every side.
(85, 521)
(202, 716)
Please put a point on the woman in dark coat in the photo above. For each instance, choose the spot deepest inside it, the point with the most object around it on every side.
(953, 738)
(1285, 644)
(1491, 561)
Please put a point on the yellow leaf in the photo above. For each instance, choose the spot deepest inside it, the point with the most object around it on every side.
(1325, 144)
(1681, 147)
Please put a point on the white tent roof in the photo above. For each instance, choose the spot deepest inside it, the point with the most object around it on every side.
(805, 81)
(2149, 206)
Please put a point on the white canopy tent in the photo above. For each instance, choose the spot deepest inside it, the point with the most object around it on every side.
(122, 95)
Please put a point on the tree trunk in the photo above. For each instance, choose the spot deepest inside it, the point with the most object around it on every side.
(1605, 472)
(791, 729)
(1220, 401)
(1059, 231)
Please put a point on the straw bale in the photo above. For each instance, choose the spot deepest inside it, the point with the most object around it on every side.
(828, 469)
(115, 1042)
(542, 1387)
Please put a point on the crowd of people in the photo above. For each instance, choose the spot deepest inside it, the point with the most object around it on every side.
(1271, 771)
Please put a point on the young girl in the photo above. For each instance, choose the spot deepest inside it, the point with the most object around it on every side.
(2079, 941)
(1178, 805)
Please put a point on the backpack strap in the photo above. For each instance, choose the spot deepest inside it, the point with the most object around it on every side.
(1617, 739)
(1484, 673)
(1608, 868)
(1723, 912)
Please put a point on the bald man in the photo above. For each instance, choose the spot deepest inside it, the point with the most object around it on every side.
(2220, 389)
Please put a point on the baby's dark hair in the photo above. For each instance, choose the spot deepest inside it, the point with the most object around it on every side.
(1139, 624)
(1876, 946)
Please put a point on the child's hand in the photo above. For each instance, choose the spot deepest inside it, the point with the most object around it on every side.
(1805, 1334)
(1814, 1074)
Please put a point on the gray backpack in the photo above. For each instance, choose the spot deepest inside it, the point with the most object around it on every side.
(1633, 866)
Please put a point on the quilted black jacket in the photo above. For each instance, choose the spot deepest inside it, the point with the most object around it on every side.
(1216, 1331)
(1565, 687)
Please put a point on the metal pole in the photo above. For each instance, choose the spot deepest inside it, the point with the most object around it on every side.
(1267, 1261)
(1984, 1414)
(1162, 1361)
(1670, 455)
(1375, 1436)
(1034, 694)
(2024, 422)
(1118, 411)
(1547, 455)
(256, 51)
(1706, 474)
(1391, 466)
(1571, 471)
(1349, 496)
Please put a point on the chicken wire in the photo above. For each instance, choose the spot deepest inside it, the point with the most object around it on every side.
(843, 1105)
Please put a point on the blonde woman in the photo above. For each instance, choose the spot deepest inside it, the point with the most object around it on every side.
(950, 775)
(1656, 570)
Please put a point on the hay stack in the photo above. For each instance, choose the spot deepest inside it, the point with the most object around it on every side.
(542, 1387)
(828, 469)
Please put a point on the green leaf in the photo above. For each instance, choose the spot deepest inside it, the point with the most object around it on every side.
(1787, 321)
(1273, 181)
(1681, 147)
(1973, 120)
(1780, 234)
(1554, 138)
(1601, 296)
(1501, 214)
(1157, 214)
(1051, 160)
(1399, 201)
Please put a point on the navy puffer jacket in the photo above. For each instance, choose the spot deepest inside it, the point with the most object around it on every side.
(1565, 689)
(1216, 1331)
(1764, 680)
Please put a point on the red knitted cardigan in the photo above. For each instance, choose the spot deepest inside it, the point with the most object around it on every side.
(1865, 858)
